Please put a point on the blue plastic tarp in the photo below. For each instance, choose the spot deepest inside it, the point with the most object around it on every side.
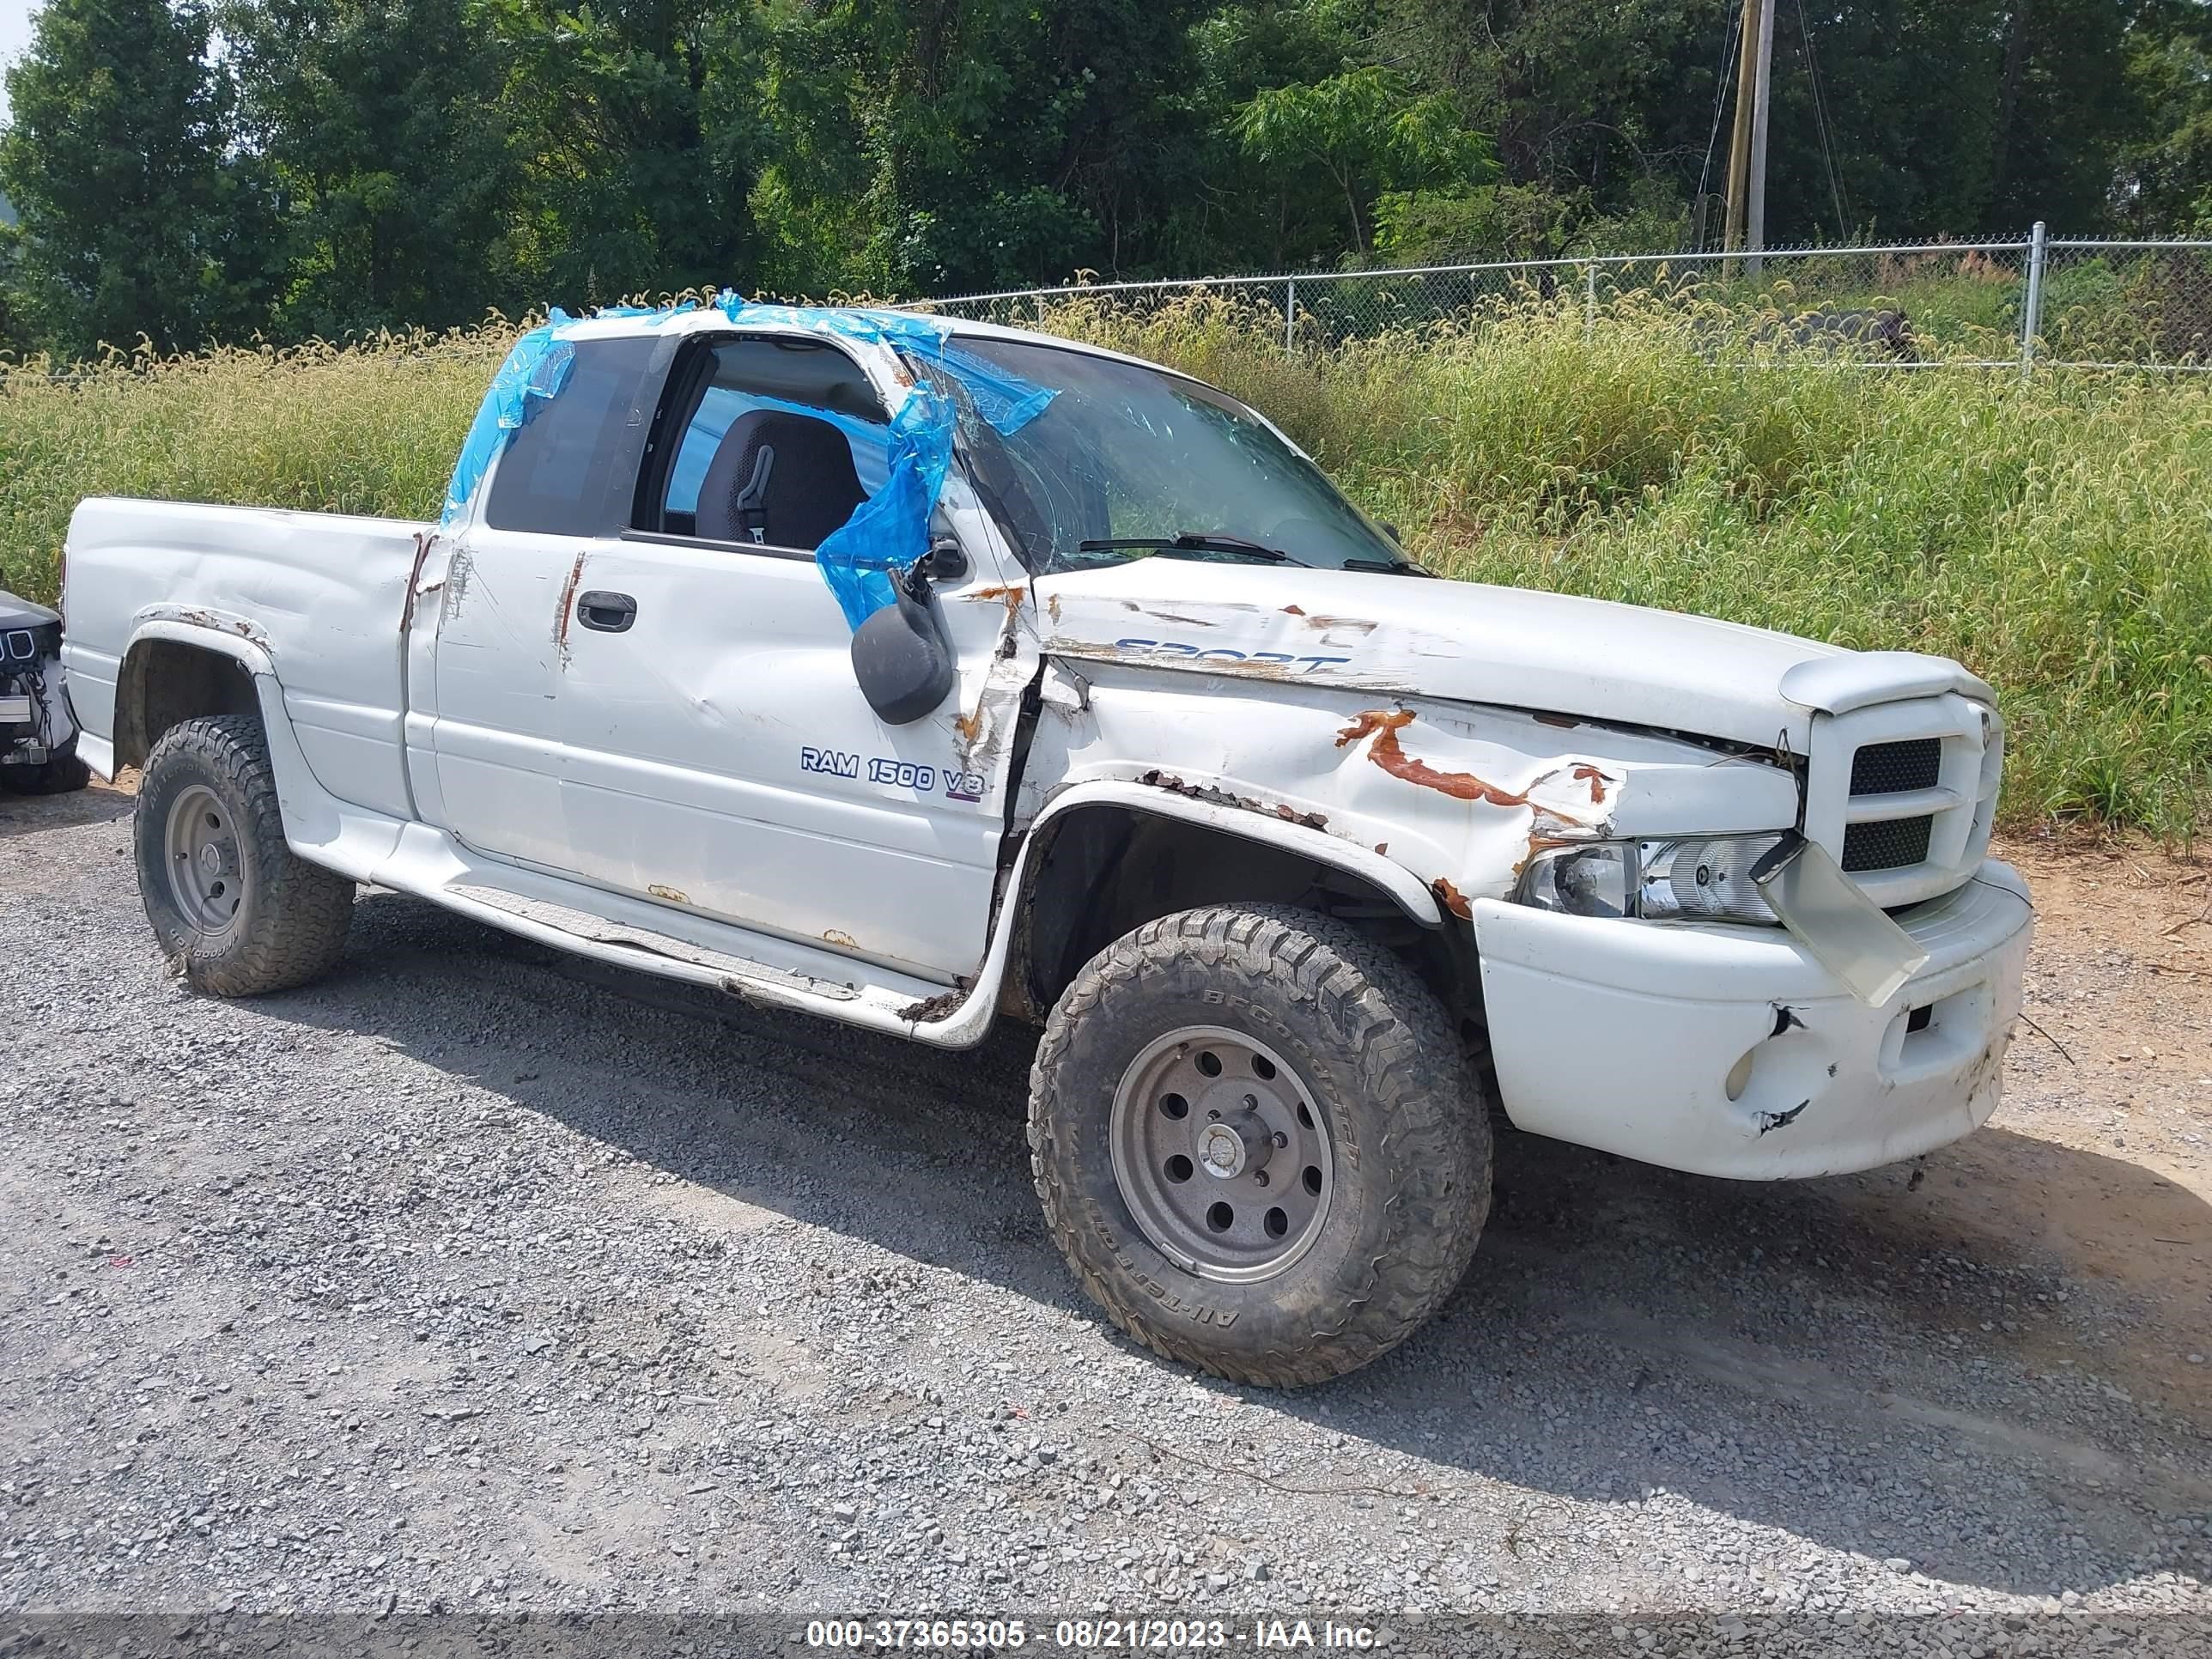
(889, 532)
(533, 373)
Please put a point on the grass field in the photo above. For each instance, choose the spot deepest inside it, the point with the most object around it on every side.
(366, 429)
(2050, 534)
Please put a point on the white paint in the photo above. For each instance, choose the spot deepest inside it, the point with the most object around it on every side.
(707, 796)
(1459, 641)
(1660, 1014)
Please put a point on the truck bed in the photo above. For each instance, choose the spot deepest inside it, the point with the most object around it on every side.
(322, 596)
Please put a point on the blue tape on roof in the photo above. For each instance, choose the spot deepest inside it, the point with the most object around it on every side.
(534, 371)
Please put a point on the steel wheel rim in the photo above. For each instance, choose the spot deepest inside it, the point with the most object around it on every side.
(1222, 1154)
(207, 877)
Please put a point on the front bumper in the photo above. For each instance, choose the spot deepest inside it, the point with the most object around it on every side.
(34, 716)
(1622, 1035)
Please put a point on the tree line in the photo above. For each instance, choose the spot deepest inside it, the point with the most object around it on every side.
(201, 170)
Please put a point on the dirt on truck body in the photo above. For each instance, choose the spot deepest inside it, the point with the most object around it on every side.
(918, 675)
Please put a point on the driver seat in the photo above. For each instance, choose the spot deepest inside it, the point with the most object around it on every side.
(779, 480)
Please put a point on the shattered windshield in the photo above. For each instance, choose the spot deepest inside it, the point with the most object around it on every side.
(1128, 462)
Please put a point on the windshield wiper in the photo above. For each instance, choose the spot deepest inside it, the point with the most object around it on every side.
(1389, 566)
(1188, 541)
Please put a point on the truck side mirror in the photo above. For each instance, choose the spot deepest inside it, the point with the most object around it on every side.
(946, 563)
(902, 659)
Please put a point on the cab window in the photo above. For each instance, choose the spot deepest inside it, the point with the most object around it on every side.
(571, 469)
(780, 440)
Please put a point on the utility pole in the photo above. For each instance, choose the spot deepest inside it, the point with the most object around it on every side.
(1761, 98)
(1745, 218)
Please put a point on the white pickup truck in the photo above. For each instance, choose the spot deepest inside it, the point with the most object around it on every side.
(1306, 862)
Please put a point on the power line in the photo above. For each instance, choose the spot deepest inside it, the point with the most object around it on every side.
(1821, 124)
(1729, 41)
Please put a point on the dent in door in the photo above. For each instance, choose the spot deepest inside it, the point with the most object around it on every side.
(497, 727)
(721, 747)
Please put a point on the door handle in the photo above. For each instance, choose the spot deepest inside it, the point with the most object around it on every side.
(606, 612)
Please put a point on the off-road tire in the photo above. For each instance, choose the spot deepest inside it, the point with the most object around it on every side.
(1407, 1118)
(62, 773)
(291, 927)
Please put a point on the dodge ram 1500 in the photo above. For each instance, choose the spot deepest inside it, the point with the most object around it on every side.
(911, 673)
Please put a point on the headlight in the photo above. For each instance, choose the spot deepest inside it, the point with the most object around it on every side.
(1596, 880)
(1697, 879)
(1707, 878)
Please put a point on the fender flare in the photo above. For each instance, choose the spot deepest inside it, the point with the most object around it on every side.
(1405, 889)
(311, 815)
(964, 1018)
(204, 630)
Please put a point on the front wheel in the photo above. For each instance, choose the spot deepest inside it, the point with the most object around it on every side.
(239, 910)
(1259, 1143)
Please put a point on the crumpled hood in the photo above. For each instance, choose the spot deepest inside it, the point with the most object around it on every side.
(1465, 642)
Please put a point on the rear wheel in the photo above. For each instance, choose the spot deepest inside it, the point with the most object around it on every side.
(227, 898)
(1259, 1143)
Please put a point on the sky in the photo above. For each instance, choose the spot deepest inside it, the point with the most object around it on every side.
(15, 35)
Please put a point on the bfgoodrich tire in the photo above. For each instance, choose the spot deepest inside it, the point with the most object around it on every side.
(227, 899)
(1259, 1143)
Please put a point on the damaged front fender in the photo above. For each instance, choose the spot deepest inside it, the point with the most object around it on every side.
(1454, 800)
(1166, 796)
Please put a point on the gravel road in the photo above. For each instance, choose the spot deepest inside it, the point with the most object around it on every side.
(476, 1277)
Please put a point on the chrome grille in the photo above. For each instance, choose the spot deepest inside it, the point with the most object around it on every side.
(1891, 768)
(1890, 844)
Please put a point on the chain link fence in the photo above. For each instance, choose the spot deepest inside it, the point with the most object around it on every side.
(2069, 303)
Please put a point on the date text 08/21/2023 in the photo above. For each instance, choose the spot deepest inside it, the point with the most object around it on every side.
(1092, 1635)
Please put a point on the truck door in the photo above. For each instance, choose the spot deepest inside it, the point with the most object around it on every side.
(496, 654)
(719, 756)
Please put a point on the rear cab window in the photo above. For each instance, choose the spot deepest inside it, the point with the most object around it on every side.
(571, 471)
